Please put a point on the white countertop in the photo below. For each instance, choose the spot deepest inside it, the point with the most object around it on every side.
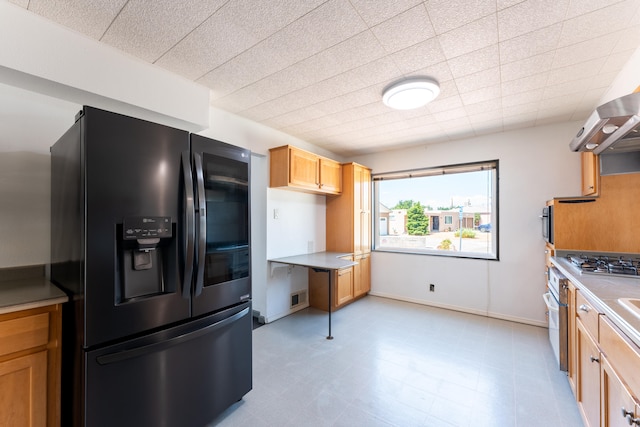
(321, 260)
(24, 294)
(603, 291)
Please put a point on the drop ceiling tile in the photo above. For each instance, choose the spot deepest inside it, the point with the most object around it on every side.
(262, 19)
(210, 45)
(448, 15)
(629, 38)
(530, 97)
(584, 51)
(404, 30)
(530, 44)
(419, 56)
(525, 84)
(350, 100)
(481, 95)
(375, 12)
(473, 36)
(530, 15)
(448, 89)
(490, 77)
(527, 67)
(488, 116)
(616, 61)
(377, 71)
(518, 109)
(503, 4)
(475, 61)
(582, 7)
(445, 104)
(148, 29)
(440, 72)
(239, 101)
(331, 23)
(491, 106)
(90, 17)
(456, 113)
(576, 71)
(598, 23)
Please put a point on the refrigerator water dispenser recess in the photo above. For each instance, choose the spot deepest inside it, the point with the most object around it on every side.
(142, 255)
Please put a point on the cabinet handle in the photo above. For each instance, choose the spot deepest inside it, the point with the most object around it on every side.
(584, 307)
(594, 359)
(630, 417)
(591, 187)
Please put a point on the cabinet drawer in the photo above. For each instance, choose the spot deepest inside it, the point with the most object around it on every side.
(23, 333)
(623, 355)
(587, 314)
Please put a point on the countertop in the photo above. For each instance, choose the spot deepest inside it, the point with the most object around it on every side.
(23, 294)
(322, 260)
(603, 291)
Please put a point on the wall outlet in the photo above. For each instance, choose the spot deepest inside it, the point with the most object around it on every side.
(432, 287)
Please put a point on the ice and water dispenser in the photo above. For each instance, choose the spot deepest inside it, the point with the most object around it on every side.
(144, 246)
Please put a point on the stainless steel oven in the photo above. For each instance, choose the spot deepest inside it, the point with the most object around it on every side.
(556, 300)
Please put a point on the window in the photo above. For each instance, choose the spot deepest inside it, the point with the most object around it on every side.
(448, 211)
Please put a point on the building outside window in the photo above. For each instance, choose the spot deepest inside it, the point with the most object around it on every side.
(449, 211)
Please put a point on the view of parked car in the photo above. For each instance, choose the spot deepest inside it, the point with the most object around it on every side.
(485, 228)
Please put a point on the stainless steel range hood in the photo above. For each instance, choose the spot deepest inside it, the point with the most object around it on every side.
(614, 126)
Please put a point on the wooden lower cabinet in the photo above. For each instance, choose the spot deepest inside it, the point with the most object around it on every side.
(618, 405)
(23, 390)
(341, 293)
(588, 371)
(603, 367)
(30, 367)
(362, 275)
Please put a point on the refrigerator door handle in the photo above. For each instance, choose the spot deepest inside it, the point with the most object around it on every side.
(202, 229)
(120, 356)
(189, 214)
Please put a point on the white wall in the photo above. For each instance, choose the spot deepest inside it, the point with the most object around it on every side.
(535, 165)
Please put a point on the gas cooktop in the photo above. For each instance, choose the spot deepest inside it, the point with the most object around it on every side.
(627, 265)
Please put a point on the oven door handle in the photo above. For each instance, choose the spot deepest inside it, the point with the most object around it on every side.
(547, 300)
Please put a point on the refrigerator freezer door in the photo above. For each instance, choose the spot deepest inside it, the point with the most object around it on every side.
(183, 376)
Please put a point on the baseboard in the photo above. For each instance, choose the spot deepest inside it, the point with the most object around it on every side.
(464, 310)
(284, 314)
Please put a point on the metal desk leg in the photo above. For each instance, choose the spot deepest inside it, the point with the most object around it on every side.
(329, 337)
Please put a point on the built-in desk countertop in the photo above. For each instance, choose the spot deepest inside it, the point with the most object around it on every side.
(319, 261)
(24, 294)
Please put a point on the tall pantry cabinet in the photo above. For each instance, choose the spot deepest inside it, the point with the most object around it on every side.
(348, 227)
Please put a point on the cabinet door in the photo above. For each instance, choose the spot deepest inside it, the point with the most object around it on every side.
(362, 210)
(344, 286)
(330, 176)
(590, 172)
(303, 169)
(588, 371)
(571, 297)
(618, 406)
(362, 275)
(23, 391)
(365, 206)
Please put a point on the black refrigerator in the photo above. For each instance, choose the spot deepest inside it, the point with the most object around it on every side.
(150, 239)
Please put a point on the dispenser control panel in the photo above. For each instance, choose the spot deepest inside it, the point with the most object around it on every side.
(146, 227)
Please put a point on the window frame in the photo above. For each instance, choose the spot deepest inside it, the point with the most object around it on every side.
(434, 171)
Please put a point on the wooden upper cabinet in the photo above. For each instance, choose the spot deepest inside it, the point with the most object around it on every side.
(330, 176)
(590, 173)
(301, 170)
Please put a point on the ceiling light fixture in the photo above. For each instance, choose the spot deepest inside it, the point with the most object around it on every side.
(410, 93)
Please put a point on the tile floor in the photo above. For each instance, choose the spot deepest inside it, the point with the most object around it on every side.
(393, 363)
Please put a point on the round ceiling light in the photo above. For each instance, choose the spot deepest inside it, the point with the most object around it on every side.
(410, 93)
